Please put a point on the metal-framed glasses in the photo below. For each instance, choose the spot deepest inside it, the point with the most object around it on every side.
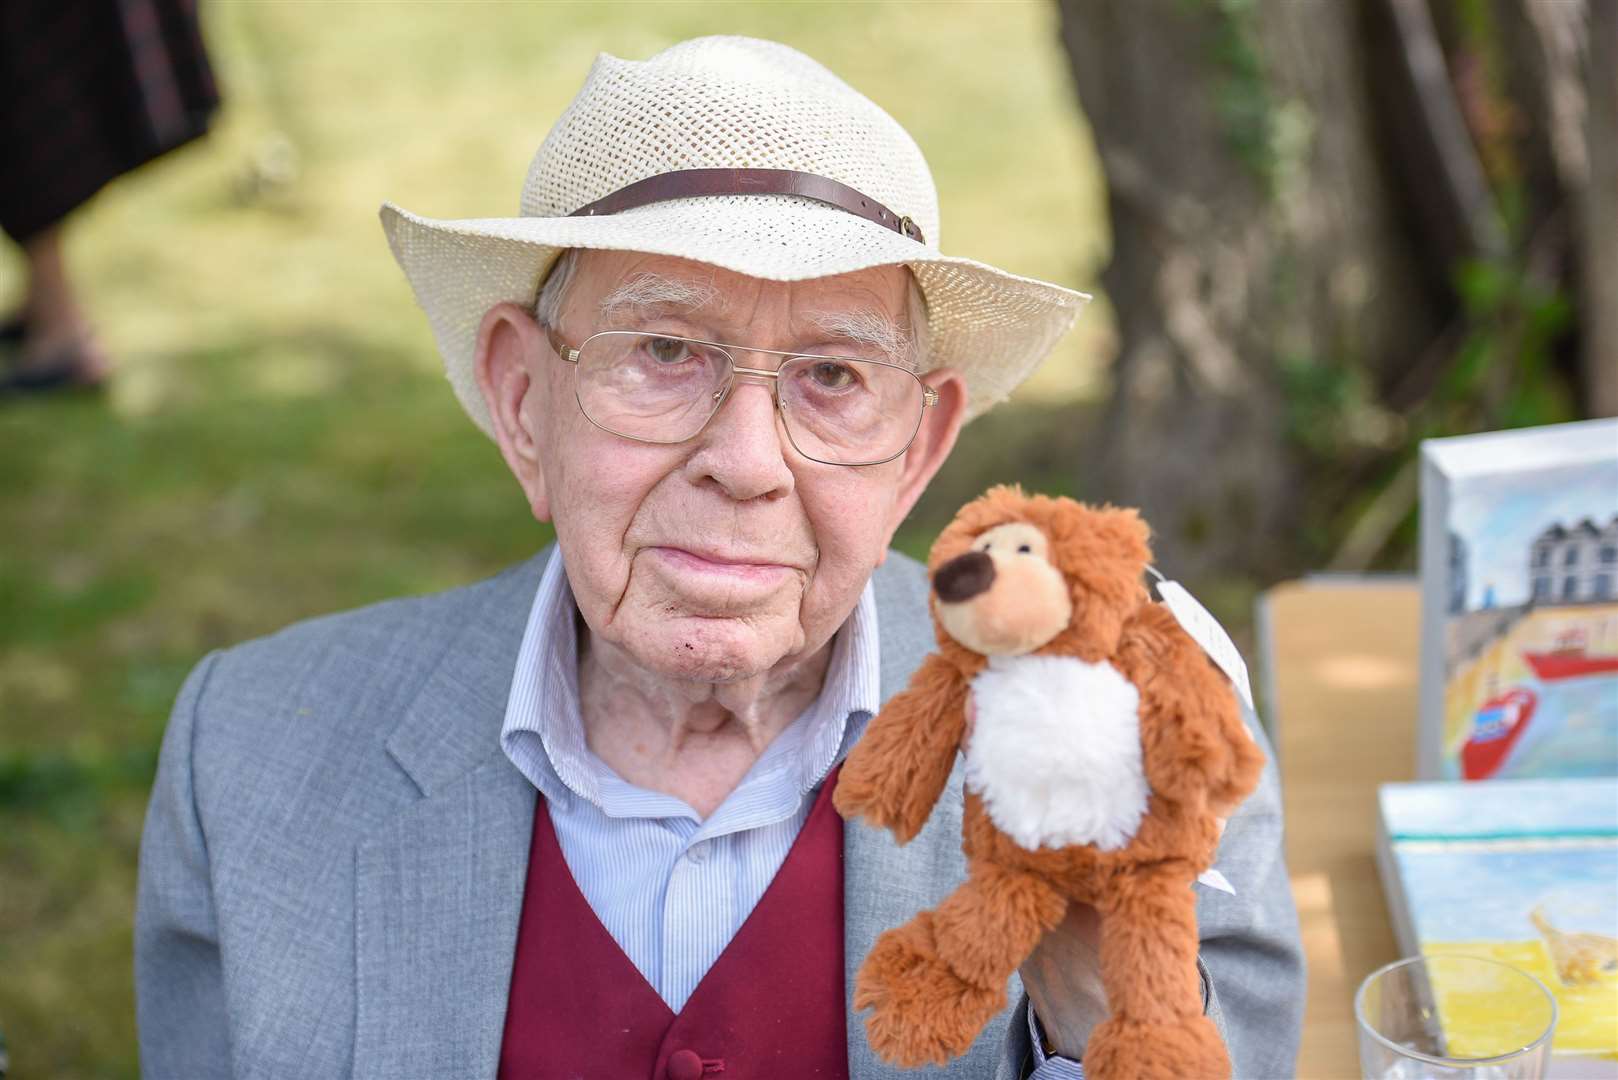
(660, 388)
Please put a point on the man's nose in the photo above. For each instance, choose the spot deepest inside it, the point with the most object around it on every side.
(743, 449)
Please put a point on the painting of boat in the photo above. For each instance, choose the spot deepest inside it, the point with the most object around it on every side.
(1497, 728)
(1569, 660)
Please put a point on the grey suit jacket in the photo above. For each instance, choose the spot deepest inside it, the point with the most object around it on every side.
(334, 857)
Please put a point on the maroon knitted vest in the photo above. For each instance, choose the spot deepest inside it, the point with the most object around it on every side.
(771, 1005)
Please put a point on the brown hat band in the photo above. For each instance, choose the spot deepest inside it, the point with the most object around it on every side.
(685, 183)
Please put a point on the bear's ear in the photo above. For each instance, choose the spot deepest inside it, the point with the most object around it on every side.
(1103, 553)
(1094, 544)
(1122, 534)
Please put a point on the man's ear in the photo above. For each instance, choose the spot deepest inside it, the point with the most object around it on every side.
(940, 424)
(510, 348)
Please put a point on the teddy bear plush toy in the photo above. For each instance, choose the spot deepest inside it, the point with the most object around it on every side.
(1102, 752)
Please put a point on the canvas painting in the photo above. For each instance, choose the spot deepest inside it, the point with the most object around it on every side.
(1524, 872)
(1529, 637)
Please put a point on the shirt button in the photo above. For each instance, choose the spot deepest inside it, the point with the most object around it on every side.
(697, 852)
(685, 1065)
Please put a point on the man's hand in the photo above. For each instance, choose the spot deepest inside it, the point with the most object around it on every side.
(1063, 979)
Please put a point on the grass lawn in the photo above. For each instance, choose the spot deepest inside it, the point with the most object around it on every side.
(280, 442)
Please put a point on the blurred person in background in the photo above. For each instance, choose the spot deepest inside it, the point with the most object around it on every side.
(88, 92)
(575, 820)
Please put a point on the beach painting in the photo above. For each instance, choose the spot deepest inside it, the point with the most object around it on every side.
(1524, 872)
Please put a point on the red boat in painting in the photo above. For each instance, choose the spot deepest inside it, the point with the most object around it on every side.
(1497, 728)
(1569, 661)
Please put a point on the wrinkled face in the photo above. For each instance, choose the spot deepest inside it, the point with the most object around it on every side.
(1003, 597)
(728, 555)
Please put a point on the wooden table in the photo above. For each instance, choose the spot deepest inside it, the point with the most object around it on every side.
(1341, 658)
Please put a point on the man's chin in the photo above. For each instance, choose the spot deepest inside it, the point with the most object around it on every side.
(714, 649)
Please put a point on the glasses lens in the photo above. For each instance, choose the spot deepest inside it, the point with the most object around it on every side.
(649, 386)
(849, 412)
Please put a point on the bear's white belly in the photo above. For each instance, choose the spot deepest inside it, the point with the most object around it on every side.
(1055, 751)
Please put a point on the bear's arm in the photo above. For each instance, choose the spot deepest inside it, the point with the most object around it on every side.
(897, 770)
(1189, 709)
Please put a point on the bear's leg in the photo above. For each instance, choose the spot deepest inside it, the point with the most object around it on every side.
(1156, 1030)
(988, 926)
(933, 983)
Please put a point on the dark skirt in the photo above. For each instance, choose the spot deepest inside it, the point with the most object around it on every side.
(90, 89)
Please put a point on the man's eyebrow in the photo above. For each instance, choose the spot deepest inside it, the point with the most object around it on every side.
(646, 290)
(867, 326)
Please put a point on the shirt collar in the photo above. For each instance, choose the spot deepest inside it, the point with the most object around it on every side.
(543, 733)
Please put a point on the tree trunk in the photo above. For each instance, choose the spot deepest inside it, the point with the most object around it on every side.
(1598, 213)
(1264, 261)
(1562, 80)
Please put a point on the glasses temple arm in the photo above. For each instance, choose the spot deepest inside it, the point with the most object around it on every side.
(563, 349)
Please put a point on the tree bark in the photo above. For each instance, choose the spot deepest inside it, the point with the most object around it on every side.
(1561, 81)
(1260, 242)
(1598, 213)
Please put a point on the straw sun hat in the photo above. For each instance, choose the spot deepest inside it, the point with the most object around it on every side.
(744, 154)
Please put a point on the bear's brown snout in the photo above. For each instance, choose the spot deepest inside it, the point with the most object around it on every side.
(964, 577)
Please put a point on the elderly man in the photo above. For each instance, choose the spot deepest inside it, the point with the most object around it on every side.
(574, 820)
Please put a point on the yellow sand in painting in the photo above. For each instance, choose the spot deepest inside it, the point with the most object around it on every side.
(1481, 1024)
(1500, 664)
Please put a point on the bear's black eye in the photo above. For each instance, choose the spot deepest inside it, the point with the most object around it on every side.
(1024, 549)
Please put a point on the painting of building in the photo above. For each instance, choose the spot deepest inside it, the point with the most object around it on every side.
(1575, 564)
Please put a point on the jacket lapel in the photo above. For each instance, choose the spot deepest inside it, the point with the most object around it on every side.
(439, 891)
(437, 907)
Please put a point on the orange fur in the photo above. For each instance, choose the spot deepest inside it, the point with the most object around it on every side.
(933, 983)
(895, 783)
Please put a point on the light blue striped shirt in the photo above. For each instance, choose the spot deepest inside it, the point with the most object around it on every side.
(671, 887)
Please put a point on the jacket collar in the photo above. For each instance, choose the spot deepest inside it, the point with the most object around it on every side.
(454, 722)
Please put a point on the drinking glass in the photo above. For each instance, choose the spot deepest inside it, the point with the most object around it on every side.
(1453, 1018)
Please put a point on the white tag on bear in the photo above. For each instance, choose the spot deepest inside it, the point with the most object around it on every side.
(1206, 631)
(1215, 880)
